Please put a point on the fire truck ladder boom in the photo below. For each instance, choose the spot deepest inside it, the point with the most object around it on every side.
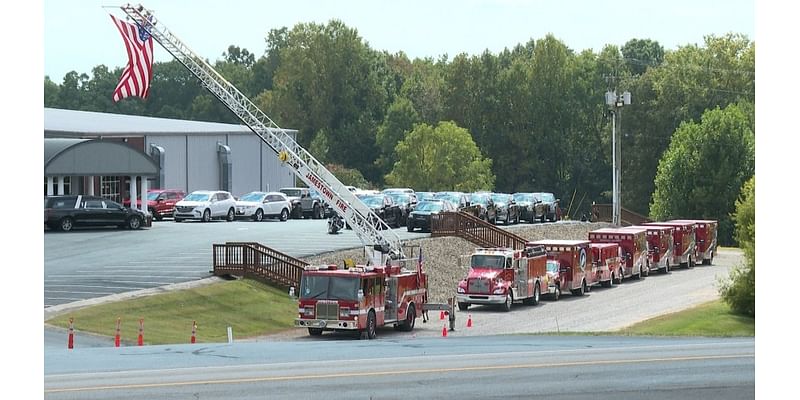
(370, 229)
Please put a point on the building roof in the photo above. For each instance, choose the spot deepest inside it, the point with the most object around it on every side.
(72, 123)
(86, 157)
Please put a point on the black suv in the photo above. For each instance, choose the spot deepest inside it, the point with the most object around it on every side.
(67, 212)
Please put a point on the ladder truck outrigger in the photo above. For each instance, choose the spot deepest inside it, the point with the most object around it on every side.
(382, 245)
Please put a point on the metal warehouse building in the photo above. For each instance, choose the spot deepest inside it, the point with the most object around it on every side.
(154, 153)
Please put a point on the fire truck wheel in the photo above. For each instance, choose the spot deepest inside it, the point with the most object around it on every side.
(463, 306)
(509, 300)
(536, 293)
(411, 319)
(691, 262)
(370, 333)
(315, 331)
(557, 292)
(581, 291)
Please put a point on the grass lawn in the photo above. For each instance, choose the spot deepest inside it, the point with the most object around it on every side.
(250, 308)
(710, 319)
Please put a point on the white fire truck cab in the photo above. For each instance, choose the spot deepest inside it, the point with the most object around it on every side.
(502, 276)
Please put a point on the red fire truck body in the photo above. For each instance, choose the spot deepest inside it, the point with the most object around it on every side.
(705, 232)
(605, 262)
(660, 246)
(359, 299)
(683, 250)
(502, 276)
(570, 266)
(633, 246)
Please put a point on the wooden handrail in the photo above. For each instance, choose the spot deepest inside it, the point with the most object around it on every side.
(474, 229)
(603, 213)
(254, 260)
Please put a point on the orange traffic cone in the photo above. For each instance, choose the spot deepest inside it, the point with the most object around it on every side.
(469, 321)
(116, 337)
(70, 338)
(194, 330)
(444, 330)
(140, 342)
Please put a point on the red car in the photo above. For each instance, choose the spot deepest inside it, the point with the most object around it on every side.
(160, 202)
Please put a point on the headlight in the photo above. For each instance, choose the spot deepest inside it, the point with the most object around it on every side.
(461, 290)
(308, 311)
(499, 290)
(344, 312)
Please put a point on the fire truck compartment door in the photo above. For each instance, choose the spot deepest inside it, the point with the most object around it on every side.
(521, 271)
(390, 306)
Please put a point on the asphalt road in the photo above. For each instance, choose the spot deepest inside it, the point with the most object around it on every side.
(91, 263)
(490, 367)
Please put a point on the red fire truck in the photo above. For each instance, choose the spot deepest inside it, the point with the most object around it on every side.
(569, 266)
(361, 298)
(683, 250)
(502, 276)
(633, 246)
(605, 262)
(705, 232)
(660, 246)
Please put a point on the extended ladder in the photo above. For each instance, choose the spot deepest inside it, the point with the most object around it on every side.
(370, 229)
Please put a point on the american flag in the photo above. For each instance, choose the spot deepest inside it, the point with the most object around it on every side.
(135, 79)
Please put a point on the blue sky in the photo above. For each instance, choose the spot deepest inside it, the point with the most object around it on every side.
(419, 28)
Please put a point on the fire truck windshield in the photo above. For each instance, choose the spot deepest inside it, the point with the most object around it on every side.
(487, 261)
(329, 287)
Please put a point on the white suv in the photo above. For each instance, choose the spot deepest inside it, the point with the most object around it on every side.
(259, 205)
(206, 205)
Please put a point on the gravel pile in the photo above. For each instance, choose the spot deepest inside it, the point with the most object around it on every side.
(446, 259)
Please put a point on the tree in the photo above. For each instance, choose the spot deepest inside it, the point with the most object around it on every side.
(739, 289)
(642, 53)
(706, 163)
(441, 158)
(400, 119)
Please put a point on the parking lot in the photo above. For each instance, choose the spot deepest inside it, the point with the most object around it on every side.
(90, 263)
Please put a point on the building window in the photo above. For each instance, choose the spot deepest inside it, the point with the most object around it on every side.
(67, 186)
(109, 188)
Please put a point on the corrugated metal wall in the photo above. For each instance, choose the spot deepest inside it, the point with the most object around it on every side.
(174, 160)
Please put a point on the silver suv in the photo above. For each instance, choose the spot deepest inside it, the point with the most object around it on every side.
(206, 205)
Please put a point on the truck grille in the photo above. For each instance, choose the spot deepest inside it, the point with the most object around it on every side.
(478, 286)
(185, 209)
(327, 310)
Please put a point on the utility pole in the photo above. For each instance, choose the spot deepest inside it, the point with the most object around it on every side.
(615, 103)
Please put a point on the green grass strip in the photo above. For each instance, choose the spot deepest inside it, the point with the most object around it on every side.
(250, 308)
(710, 319)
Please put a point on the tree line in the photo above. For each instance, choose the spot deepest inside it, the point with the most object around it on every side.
(529, 118)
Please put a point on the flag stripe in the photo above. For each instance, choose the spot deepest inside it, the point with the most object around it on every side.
(136, 77)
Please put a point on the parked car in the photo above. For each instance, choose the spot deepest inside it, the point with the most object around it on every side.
(206, 205)
(327, 211)
(421, 216)
(260, 205)
(486, 209)
(553, 209)
(507, 210)
(530, 207)
(424, 196)
(384, 207)
(406, 203)
(304, 205)
(458, 199)
(160, 202)
(407, 191)
(67, 212)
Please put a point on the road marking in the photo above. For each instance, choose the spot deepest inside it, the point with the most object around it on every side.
(395, 372)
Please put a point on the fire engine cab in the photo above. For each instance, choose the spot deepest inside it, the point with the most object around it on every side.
(633, 245)
(683, 253)
(359, 299)
(569, 266)
(659, 247)
(502, 276)
(705, 232)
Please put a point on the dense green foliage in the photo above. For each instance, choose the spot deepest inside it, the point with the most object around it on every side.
(439, 159)
(702, 171)
(739, 290)
(535, 110)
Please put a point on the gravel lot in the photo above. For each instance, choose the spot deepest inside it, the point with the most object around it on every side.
(602, 309)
